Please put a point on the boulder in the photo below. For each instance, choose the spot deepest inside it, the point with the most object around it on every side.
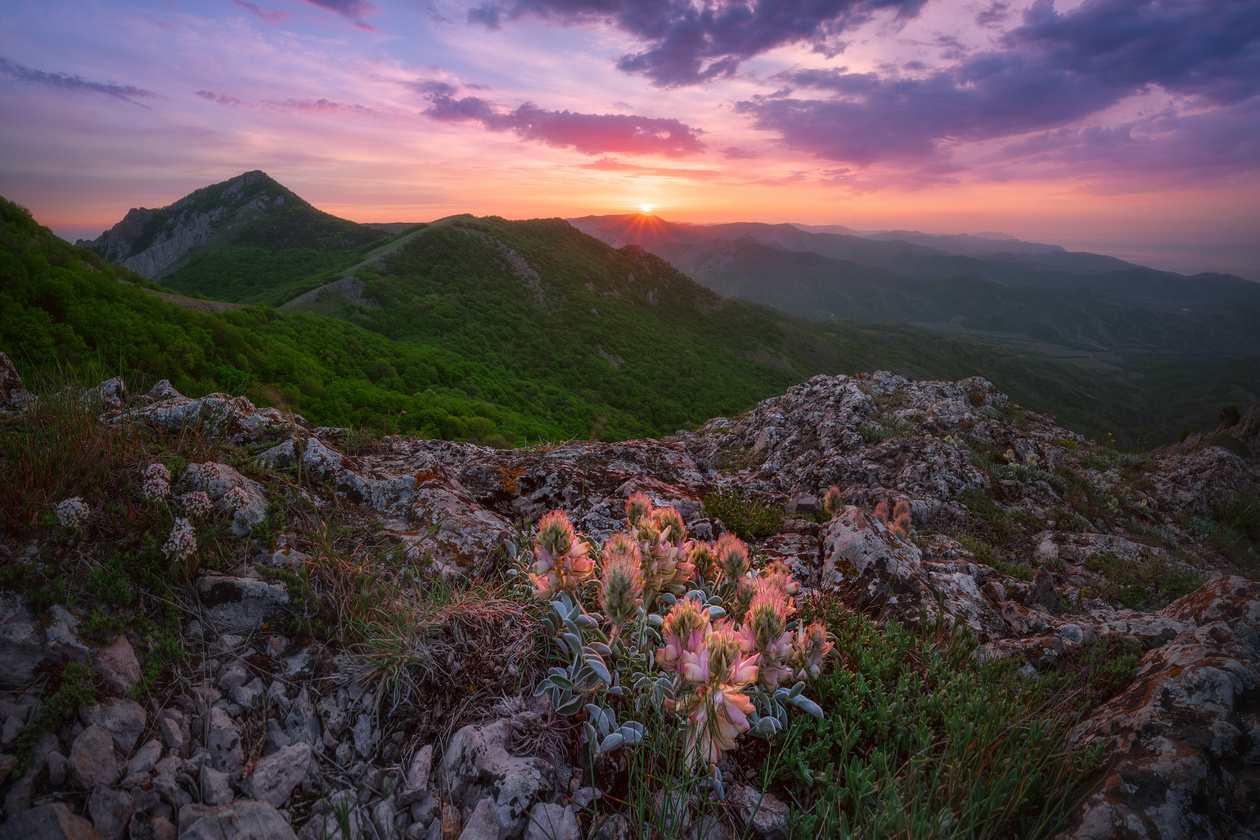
(477, 767)
(242, 820)
(242, 604)
(48, 822)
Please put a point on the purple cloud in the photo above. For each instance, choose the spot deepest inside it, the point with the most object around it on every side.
(303, 106)
(352, 10)
(263, 14)
(590, 134)
(77, 84)
(690, 43)
(1057, 69)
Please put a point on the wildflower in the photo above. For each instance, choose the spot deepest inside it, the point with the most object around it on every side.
(745, 589)
(182, 542)
(638, 507)
(832, 502)
(561, 562)
(621, 589)
(197, 504)
(765, 632)
(900, 524)
(684, 631)
(718, 713)
(705, 561)
(778, 573)
(665, 554)
(670, 523)
(73, 513)
(157, 482)
(808, 649)
(236, 498)
(732, 557)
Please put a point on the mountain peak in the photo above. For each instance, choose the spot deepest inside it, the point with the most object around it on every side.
(252, 209)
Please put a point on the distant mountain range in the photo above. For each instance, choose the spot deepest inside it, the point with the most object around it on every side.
(502, 332)
(993, 289)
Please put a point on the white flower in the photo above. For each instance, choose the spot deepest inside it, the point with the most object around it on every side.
(236, 498)
(72, 513)
(197, 504)
(182, 541)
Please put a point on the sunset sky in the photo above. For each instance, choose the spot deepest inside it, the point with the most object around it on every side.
(1119, 126)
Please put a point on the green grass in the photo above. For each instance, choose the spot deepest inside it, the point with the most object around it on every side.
(747, 516)
(920, 742)
(1144, 585)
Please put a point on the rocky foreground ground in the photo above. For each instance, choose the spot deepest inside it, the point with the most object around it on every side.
(1033, 538)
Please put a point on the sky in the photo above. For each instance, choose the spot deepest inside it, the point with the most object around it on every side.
(1126, 127)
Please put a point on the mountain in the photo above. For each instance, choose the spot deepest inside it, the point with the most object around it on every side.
(504, 332)
(1053, 268)
(243, 240)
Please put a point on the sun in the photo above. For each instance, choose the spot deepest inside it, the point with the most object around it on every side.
(646, 209)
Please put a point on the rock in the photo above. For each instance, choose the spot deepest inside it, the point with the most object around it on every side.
(614, 827)
(125, 721)
(482, 824)
(1043, 594)
(1180, 740)
(383, 814)
(109, 396)
(671, 811)
(13, 397)
(117, 664)
(216, 787)
(223, 742)
(21, 643)
(275, 776)
(22, 791)
(765, 816)
(92, 759)
(61, 629)
(365, 737)
(231, 493)
(173, 729)
(110, 811)
(416, 782)
(302, 722)
(143, 760)
(243, 820)
(56, 768)
(334, 818)
(233, 675)
(477, 766)
(146, 827)
(548, 821)
(233, 603)
(48, 822)
(7, 763)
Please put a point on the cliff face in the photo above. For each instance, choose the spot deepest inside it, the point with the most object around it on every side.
(155, 242)
(1037, 541)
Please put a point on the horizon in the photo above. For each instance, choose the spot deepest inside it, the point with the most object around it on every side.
(1112, 126)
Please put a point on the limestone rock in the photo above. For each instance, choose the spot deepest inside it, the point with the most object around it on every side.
(234, 603)
(242, 820)
(48, 822)
(92, 759)
(125, 721)
(110, 811)
(275, 776)
(477, 766)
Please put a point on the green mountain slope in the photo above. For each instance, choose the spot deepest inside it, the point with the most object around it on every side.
(814, 286)
(245, 240)
(507, 332)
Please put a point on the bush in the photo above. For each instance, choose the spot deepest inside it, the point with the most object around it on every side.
(749, 517)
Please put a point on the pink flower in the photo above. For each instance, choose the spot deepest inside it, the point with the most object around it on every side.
(560, 557)
(621, 588)
(765, 632)
(684, 632)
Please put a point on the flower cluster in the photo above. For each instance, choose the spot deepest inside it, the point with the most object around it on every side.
(236, 498)
(157, 482)
(560, 561)
(182, 542)
(73, 513)
(832, 502)
(726, 675)
(900, 524)
(197, 504)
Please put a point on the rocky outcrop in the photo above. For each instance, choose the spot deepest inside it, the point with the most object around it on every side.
(278, 732)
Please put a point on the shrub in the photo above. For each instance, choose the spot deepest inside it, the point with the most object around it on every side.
(749, 517)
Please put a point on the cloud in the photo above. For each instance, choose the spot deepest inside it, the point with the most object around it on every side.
(77, 84)
(690, 43)
(590, 134)
(1053, 71)
(263, 14)
(352, 10)
(634, 170)
(302, 106)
